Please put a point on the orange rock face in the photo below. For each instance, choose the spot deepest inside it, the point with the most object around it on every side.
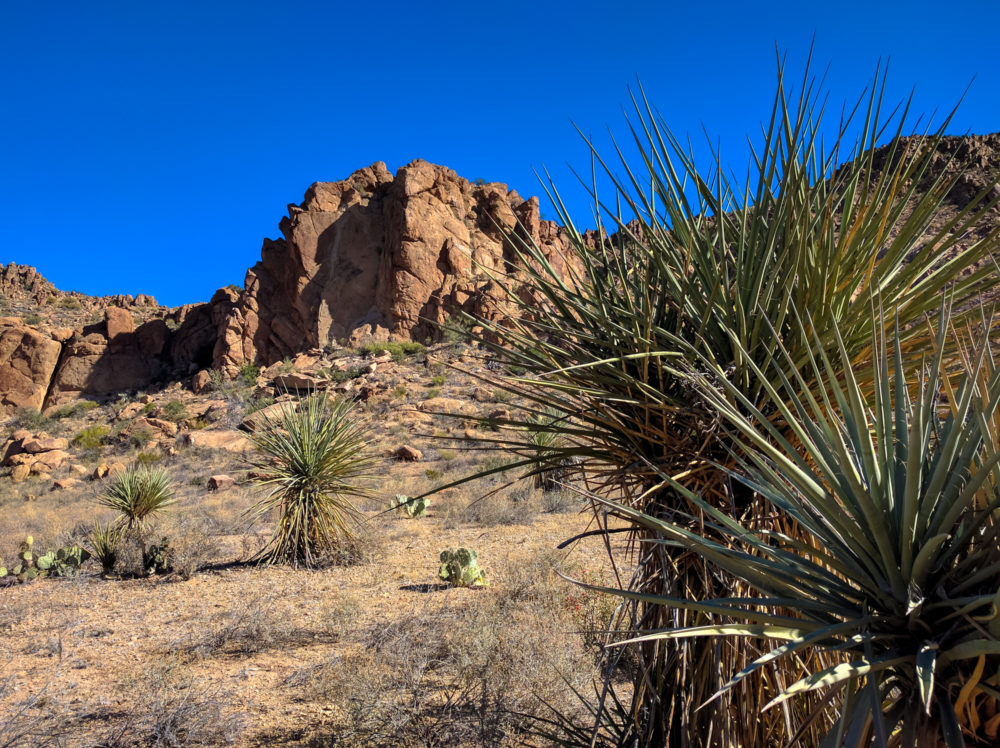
(28, 358)
(375, 257)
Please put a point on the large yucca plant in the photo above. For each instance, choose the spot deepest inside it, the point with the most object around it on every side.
(137, 493)
(705, 269)
(895, 572)
(313, 460)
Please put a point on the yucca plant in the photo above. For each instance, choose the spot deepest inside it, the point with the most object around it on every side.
(706, 269)
(312, 462)
(137, 494)
(894, 574)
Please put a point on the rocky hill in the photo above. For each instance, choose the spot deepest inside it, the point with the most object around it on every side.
(376, 257)
(373, 258)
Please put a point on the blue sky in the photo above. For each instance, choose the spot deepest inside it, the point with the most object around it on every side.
(150, 147)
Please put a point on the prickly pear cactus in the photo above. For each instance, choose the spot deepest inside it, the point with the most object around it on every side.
(461, 568)
(412, 507)
(62, 562)
(157, 558)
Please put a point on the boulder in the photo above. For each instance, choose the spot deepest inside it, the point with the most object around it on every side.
(19, 473)
(64, 483)
(220, 482)
(201, 382)
(28, 360)
(42, 443)
(448, 406)
(408, 453)
(228, 441)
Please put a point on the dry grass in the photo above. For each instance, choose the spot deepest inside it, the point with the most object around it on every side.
(374, 652)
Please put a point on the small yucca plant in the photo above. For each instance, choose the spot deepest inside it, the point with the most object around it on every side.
(104, 545)
(313, 459)
(895, 569)
(137, 494)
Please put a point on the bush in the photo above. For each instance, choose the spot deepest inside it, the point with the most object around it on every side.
(175, 411)
(248, 373)
(312, 462)
(92, 437)
(75, 409)
(32, 420)
(399, 351)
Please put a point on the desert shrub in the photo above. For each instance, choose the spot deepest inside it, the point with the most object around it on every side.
(140, 437)
(92, 437)
(248, 373)
(438, 380)
(68, 302)
(312, 462)
(104, 543)
(175, 411)
(399, 351)
(75, 409)
(432, 392)
(148, 458)
(32, 319)
(36, 720)
(474, 674)
(170, 708)
(32, 420)
(399, 391)
(342, 376)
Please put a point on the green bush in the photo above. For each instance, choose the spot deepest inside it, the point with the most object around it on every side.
(32, 420)
(175, 411)
(248, 373)
(461, 568)
(68, 302)
(438, 380)
(32, 319)
(399, 351)
(92, 437)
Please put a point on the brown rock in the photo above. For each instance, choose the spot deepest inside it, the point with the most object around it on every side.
(146, 399)
(120, 326)
(115, 467)
(201, 382)
(62, 334)
(64, 483)
(229, 441)
(28, 360)
(408, 453)
(101, 471)
(254, 420)
(78, 469)
(295, 381)
(152, 425)
(19, 473)
(52, 459)
(129, 411)
(21, 435)
(21, 458)
(220, 483)
(40, 443)
(38, 467)
(499, 415)
(449, 406)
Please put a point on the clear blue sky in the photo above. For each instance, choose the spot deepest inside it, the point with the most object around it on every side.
(150, 147)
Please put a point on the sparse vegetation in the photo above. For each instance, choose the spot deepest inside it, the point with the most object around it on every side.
(138, 494)
(75, 409)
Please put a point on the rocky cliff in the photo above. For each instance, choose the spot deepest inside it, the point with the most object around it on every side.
(374, 257)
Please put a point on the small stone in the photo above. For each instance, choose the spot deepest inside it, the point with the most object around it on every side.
(408, 454)
(78, 469)
(146, 399)
(101, 471)
(64, 483)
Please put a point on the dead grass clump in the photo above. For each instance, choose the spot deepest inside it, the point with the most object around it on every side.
(171, 709)
(37, 720)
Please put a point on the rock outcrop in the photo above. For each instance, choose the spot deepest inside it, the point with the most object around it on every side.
(375, 257)
(28, 358)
